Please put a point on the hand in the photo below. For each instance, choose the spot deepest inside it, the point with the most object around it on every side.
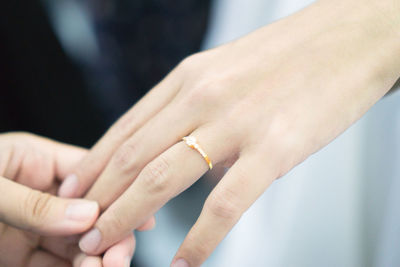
(30, 164)
(260, 105)
(31, 219)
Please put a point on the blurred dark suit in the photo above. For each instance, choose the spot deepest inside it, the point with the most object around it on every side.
(43, 91)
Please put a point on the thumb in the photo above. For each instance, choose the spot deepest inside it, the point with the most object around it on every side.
(32, 210)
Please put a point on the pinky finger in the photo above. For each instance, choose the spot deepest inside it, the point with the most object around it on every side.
(234, 194)
(120, 254)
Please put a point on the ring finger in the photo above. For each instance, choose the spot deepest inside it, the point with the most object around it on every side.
(162, 179)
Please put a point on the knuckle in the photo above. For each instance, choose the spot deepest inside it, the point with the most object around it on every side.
(43, 178)
(36, 208)
(199, 247)
(6, 155)
(124, 158)
(187, 63)
(283, 136)
(225, 204)
(287, 144)
(279, 125)
(125, 125)
(115, 220)
(204, 92)
(156, 174)
(22, 134)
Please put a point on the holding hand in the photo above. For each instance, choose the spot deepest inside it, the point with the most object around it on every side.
(31, 169)
(28, 164)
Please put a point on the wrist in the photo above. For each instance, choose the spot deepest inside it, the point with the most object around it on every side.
(360, 36)
(382, 26)
(388, 14)
(370, 31)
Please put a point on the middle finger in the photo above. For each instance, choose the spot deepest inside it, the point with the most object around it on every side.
(145, 145)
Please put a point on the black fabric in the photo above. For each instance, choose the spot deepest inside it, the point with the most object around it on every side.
(43, 91)
(140, 42)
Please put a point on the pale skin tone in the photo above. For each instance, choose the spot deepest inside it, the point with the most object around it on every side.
(260, 105)
(31, 169)
(32, 219)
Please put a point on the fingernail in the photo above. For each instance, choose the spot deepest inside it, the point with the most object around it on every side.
(81, 211)
(127, 262)
(90, 241)
(69, 186)
(180, 263)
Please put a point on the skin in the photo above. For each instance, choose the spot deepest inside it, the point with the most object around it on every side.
(259, 105)
(31, 218)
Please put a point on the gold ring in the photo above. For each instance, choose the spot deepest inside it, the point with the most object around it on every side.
(191, 141)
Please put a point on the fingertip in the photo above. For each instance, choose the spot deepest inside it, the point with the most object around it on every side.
(180, 263)
(78, 259)
(116, 261)
(127, 262)
(91, 261)
(120, 254)
(79, 216)
(90, 241)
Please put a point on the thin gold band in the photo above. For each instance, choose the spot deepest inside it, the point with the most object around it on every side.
(191, 141)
